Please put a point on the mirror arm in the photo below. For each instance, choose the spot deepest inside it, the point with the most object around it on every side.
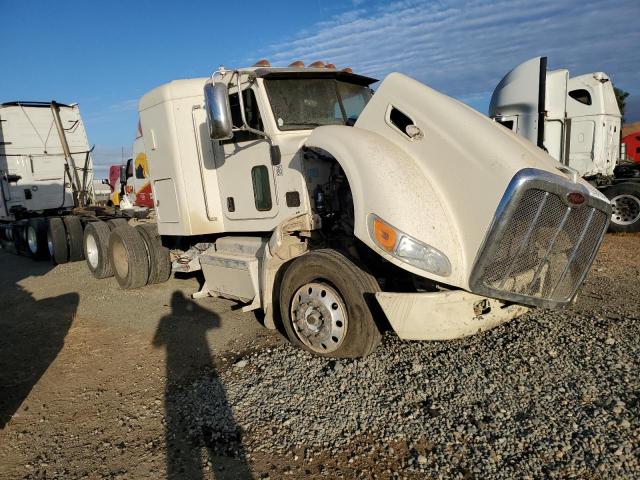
(275, 159)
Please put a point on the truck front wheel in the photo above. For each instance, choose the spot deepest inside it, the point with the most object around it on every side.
(625, 203)
(325, 305)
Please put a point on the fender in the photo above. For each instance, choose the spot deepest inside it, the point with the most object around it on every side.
(385, 181)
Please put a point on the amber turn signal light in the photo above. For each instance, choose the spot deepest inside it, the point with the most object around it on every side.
(385, 235)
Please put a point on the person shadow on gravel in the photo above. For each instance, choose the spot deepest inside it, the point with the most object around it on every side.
(202, 438)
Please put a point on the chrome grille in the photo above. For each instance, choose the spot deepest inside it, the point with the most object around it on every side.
(541, 248)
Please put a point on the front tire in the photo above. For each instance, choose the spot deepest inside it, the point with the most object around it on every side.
(325, 305)
(625, 203)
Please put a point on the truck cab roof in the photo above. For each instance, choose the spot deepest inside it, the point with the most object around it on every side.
(289, 72)
(194, 86)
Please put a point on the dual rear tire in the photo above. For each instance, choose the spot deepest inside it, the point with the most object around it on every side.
(158, 256)
(37, 238)
(134, 255)
(128, 257)
(96, 249)
(63, 239)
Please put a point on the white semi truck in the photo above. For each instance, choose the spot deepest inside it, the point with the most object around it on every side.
(46, 173)
(338, 212)
(578, 122)
(46, 182)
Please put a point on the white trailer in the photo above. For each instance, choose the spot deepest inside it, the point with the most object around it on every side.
(44, 158)
(338, 212)
(578, 122)
(46, 180)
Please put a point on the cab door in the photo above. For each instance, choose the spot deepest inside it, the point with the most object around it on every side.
(243, 166)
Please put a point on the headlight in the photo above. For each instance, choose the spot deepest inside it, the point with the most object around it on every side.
(408, 249)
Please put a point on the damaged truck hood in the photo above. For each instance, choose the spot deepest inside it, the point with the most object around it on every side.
(432, 167)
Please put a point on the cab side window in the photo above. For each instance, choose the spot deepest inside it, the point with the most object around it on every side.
(252, 114)
(581, 95)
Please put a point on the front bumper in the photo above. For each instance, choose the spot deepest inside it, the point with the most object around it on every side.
(444, 315)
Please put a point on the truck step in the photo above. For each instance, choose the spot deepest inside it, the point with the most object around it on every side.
(233, 269)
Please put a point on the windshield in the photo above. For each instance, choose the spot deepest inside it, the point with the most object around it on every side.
(304, 103)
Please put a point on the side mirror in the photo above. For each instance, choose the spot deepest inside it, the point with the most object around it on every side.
(216, 99)
(123, 174)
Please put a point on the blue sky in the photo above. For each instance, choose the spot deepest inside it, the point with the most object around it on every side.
(105, 55)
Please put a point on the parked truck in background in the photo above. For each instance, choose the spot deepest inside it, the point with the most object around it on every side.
(46, 181)
(336, 212)
(129, 183)
(45, 173)
(578, 122)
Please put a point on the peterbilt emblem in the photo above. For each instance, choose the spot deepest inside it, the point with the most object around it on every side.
(575, 199)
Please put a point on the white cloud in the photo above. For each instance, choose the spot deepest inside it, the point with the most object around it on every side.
(464, 48)
(124, 105)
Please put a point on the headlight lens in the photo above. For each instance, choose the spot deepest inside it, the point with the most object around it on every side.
(408, 249)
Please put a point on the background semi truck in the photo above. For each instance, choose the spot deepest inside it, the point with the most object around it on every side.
(45, 173)
(336, 212)
(129, 183)
(46, 181)
(578, 122)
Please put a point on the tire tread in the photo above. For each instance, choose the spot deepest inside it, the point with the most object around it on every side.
(138, 271)
(370, 331)
(58, 234)
(75, 237)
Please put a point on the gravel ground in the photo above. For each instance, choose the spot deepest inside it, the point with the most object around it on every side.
(553, 394)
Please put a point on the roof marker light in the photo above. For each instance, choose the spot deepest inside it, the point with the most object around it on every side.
(317, 64)
(262, 63)
(297, 64)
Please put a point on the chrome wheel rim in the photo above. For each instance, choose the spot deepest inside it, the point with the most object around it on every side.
(91, 247)
(319, 317)
(32, 239)
(50, 244)
(625, 209)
